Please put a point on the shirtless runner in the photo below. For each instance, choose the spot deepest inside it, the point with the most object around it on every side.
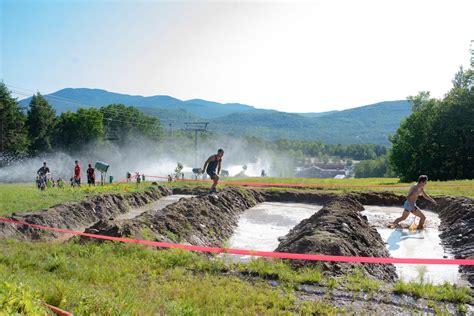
(410, 204)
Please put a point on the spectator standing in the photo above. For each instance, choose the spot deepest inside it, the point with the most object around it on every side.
(90, 175)
(77, 174)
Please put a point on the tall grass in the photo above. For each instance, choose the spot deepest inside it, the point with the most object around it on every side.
(112, 278)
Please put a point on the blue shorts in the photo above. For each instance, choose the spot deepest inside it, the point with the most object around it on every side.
(409, 206)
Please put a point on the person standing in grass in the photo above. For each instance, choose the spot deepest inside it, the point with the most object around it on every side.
(212, 166)
(410, 204)
(42, 176)
(90, 175)
(77, 174)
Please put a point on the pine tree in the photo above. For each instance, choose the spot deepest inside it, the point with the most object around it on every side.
(41, 122)
(13, 132)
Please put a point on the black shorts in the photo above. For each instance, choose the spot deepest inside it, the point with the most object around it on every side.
(211, 173)
(90, 180)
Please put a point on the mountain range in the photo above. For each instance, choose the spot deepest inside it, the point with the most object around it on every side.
(365, 124)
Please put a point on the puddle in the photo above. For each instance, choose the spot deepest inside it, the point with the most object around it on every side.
(157, 205)
(259, 227)
(403, 243)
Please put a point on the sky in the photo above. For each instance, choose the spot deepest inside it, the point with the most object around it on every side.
(310, 56)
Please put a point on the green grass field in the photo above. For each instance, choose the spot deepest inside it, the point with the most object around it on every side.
(25, 197)
(113, 278)
(126, 279)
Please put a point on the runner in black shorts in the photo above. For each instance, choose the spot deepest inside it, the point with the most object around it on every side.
(212, 166)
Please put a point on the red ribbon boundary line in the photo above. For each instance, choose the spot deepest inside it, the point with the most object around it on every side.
(281, 255)
(308, 185)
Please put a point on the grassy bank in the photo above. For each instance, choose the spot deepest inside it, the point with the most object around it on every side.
(451, 188)
(112, 279)
(25, 197)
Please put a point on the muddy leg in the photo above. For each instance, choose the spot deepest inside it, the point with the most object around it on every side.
(422, 217)
(402, 218)
(216, 180)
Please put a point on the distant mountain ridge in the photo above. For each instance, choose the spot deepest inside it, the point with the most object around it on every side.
(366, 124)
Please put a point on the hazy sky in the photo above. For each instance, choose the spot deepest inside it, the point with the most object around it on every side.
(291, 56)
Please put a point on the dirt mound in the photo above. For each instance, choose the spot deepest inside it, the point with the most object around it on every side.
(203, 220)
(383, 198)
(457, 227)
(367, 198)
(297, 196)
(339, 229)
(190, 190)
(78, 215)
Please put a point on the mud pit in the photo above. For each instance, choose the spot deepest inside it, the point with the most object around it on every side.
(260, 227)
(339, 228)
(403, 243)
(156, 205)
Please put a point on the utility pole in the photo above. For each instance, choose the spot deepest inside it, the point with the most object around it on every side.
(196, 127)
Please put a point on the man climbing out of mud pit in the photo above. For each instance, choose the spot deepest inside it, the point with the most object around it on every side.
(410, 203)
(213, 164)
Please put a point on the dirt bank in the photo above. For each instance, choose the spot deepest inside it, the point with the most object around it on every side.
(79, 215)
(339, 229)
(457, 226)
(203, 220)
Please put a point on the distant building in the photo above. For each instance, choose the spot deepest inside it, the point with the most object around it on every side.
(316, 171)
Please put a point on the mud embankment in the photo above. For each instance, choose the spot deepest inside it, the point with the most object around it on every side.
(339, 229)
(207, 220)
(457, 227)
(77, 216)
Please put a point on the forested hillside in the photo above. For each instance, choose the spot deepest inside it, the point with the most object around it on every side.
(367, 124)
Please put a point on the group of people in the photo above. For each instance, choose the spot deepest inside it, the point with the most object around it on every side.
(138, 177)
(44, 178)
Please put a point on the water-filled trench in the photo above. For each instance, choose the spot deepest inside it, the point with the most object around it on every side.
(260, 227)
(157, 205)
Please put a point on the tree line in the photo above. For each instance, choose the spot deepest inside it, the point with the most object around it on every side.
(436, 139)
(38, 129)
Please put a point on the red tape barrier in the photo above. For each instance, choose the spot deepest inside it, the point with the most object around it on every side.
(281, 255)
(57, 310)
(309, 185)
